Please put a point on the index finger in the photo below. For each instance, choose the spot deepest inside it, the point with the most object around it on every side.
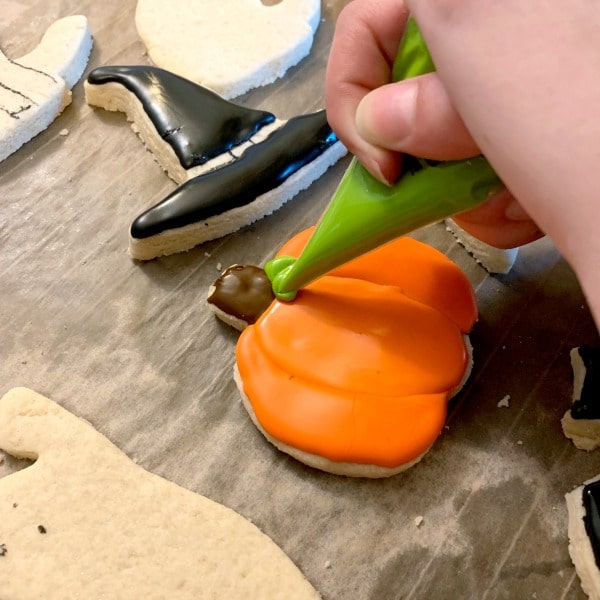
(363, 50)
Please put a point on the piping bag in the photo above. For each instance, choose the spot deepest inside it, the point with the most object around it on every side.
(365, 213)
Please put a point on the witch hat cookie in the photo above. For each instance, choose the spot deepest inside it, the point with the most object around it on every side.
(236, 165)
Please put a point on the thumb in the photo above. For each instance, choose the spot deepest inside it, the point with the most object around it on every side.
(415, 117)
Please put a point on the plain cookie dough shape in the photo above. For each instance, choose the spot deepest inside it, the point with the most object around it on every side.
(492, 259)
(584, 535)
(581, 423)
(229, 46)
(84, 521)
(35, 89)
(235, 165)
(353, 377)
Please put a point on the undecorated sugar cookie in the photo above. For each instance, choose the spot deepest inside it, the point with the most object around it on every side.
(229, 46)
(235, 165)
(492, 259)
(84, 521)
(583, 505)
(581, 423)
(35, 88)
(353, 376)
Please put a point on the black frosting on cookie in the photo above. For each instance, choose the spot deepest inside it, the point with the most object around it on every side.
(591, 519)
(196, 122)
(587, 406)
(261, 168)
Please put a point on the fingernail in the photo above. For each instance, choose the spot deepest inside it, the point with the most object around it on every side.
(385, 116)
(375, 169)
(515, 212)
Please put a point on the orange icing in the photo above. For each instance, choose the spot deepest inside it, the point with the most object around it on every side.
(360, 366)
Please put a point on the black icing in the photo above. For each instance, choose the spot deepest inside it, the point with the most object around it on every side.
(587, 406)
(196, 122)
(261, 168)
(591, 519)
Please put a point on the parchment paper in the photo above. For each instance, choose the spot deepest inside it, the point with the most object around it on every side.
(132, 348)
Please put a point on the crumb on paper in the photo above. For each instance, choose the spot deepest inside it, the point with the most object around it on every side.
(3, 550)
(63, 132)
(42, 529)
(327, 564)
(504, 402)
(419, 521)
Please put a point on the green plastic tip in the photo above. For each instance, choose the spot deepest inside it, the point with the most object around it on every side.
(277, 270)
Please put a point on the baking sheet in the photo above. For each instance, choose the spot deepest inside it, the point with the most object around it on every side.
(133, 348)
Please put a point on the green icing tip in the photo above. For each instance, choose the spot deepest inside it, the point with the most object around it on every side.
(277, 270)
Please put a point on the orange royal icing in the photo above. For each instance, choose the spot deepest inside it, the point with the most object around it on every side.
(359, 367)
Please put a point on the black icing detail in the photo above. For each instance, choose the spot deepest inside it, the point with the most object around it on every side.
(587, 406)
(591, 519)
(261, 168)
(196, 122)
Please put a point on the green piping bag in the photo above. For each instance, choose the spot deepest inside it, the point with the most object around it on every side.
(365, 213)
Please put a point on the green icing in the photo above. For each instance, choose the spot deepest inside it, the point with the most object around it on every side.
(277, 270)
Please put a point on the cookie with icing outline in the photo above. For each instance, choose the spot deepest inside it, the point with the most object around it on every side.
(84, 521)
(36, 88)
(353, 376)
(581, 423)
(235, 165)
(583, 505)
(230, 46)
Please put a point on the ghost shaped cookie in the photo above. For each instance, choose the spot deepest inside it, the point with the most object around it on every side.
(84, 521)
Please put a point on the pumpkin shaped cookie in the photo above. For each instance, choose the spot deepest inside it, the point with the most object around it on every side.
(353, 377)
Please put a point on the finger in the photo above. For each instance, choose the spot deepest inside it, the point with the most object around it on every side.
(363, 49)
(501, 222)
(416, 117)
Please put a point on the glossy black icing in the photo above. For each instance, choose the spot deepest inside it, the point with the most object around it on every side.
(261, 168)
(197, 123)
(587, 406)
(591, 519)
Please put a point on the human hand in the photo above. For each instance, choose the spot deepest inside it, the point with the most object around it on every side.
(379, 121)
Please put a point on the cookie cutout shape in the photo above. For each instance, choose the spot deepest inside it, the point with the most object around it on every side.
(35, 89)
(492, 259)
(236, 165)
(84, 521)
(581, 423)
(353, 376)
(230, 46)
(583, 505)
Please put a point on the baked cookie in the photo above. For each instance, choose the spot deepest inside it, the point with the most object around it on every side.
(84, 521)
(583, 505)
(236, 165)
(492, 259)
(581, 423)
(240, 295)
(229, 46)
(353, 376)
(35, 88)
